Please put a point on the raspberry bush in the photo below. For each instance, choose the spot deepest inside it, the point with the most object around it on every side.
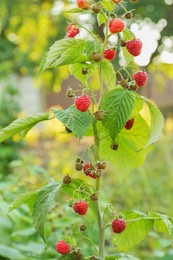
(122, 127)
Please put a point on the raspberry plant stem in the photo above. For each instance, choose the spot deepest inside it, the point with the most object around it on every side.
(97, 188)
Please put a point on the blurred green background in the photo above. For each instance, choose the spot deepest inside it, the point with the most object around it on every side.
(27, 29)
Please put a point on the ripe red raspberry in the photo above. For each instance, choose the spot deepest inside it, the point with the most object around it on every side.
(116, 25)
(82, 103)
(80, 207)
(134, 47)
(83, 4)
(89, 171)
(129, 124)
(118, 225)
(109, 54)
(140, 78)
(72, 30)
(63, 248)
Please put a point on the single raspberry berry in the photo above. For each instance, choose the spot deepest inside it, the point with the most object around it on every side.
(89, 170)
(96, 56)
(140, 78)
(118, 225)
(63, 248)
(110, 54)
(116, 25)
(134, 47)
(72, 30)
(80, 207)
(83, 227)
(129, 124)
(128, 15)
(82, 103)
(114, 146)
(67, 179)
(96, 8)
(99, 115)
(83, 4)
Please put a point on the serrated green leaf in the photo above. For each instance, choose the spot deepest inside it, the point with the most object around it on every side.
(27, 198)
(63, 52)
(22, 124)
(42, 204)
(164, 224)
(117, 105)
(156, 123)
(77, 184)
(42, 64)
(76, 71)
(100, 18)
(108, 5)
(108, 73)
(92, 46)
(136, 229)
(78, 122)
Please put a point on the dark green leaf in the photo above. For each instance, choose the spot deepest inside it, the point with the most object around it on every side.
(78, 122)
(22, 124)
(42, 204)
(118, 105)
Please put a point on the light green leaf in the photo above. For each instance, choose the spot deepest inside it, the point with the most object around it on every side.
(92, 46)
(27, 198)
(124, 159)
(136, 229)
(9, 252)
(42, 204)
(76, 71)
(108, 5)
(156, 123)
(63, 52)
(164, 224)
(100, 18)
(108, 73)
(77, 184)
(118, 105)
(78, 122)
(22, 124)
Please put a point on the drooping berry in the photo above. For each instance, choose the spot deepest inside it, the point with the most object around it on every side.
(77, 255)
(109, 54)
(96, 8)
(94, 196)
(114, 146)
(128, 15)
(72, 31)
(89, 170)
(99, 115)
(63, 248)
(79, 164)
(140, 78)
(116, 25)
(134, 47)
(80, 207)
(84, 4)
(118, 225)
(96, 56)
(83, 227)
(70, 92)
(129, 124)
(67, 179)
(82, 103)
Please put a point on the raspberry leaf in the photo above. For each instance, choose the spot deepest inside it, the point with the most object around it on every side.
(117, 105)
(164, 224)
(23, 124)
(101, 18)
(10, 253)
(108, 5)
(78, 122)
(156, 123)
(76, 71)
(42, 204)
(63, 52)
(108, 73)
(137, 227)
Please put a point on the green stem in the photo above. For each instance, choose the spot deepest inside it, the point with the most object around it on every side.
(97, 189)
